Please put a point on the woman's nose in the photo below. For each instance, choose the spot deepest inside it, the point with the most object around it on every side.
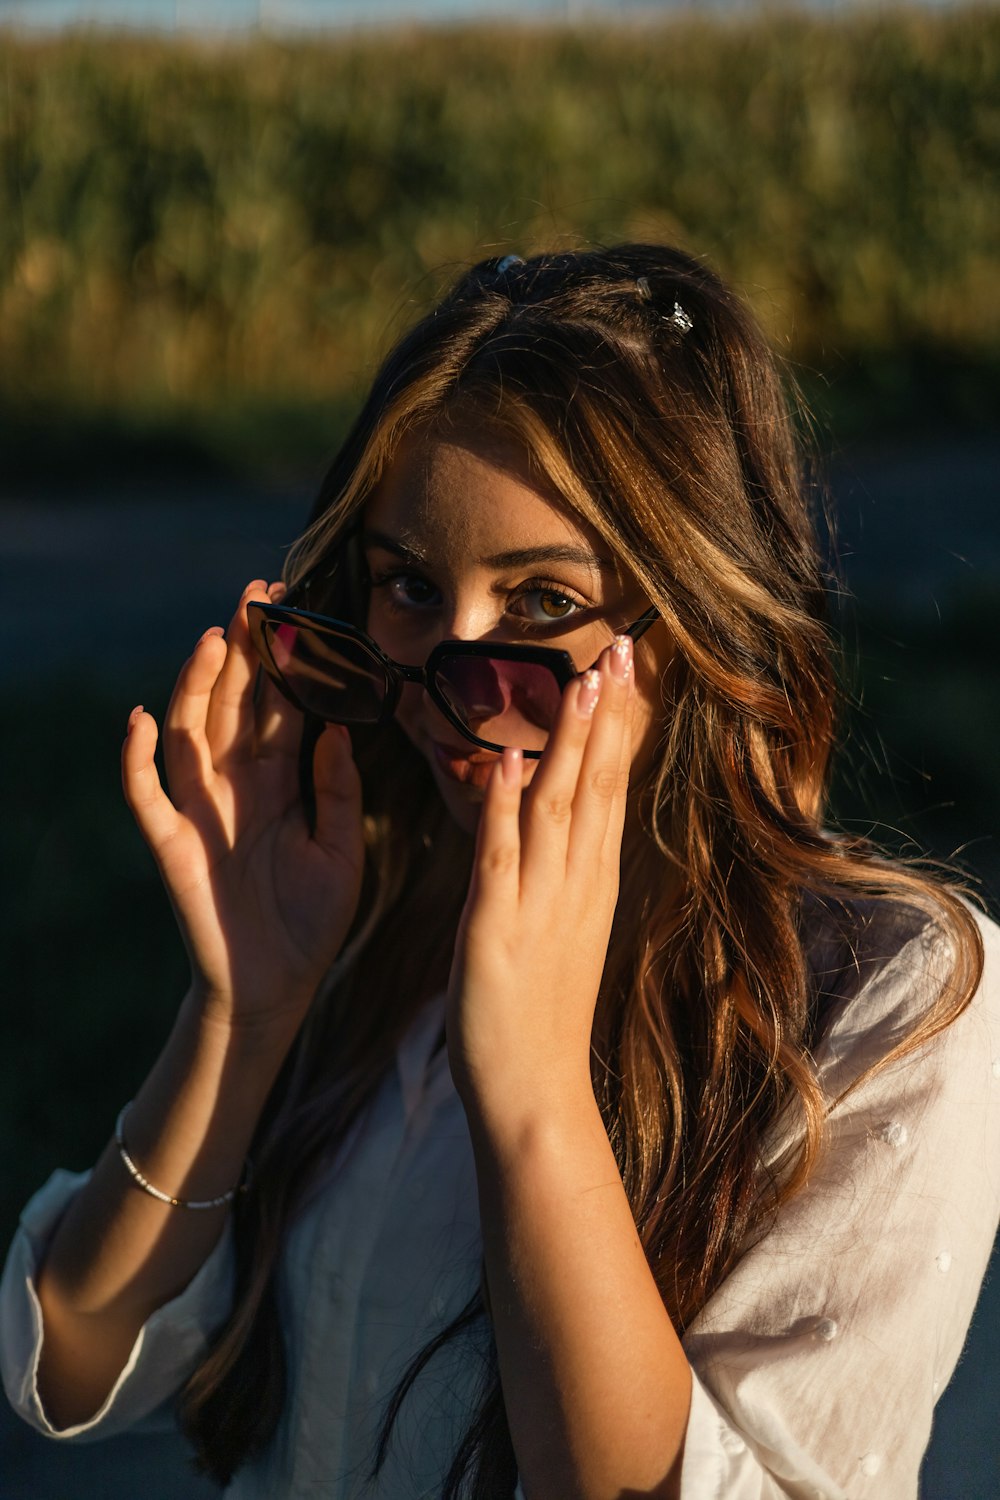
(467, 623)
(474, 688)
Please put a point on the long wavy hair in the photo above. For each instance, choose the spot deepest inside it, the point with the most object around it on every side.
(647, 398)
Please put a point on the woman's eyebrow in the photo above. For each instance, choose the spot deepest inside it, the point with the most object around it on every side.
(557, 552)
(370, 538)
(517, 558)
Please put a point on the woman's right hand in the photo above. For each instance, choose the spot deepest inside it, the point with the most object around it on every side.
(264, 905)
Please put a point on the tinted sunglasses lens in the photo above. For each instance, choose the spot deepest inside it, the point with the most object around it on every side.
(330, 675)
(506, 702)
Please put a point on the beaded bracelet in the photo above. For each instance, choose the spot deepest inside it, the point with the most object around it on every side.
(155, 1192)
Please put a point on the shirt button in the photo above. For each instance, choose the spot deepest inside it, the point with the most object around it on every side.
(895, 1133)
(870, 1464)
(826, 1329)
(943, 1261)
(731, 1441)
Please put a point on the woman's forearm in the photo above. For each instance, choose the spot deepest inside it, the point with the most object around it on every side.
(119, 1253)
(596, 1384)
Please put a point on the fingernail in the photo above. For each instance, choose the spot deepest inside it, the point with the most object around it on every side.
(212, 630)
(133, 716)
(510, 766)
(621, 658)
(590, 691)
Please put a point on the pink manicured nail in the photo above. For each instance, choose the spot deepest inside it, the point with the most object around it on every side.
(212, 630)
(510, 767)
(133, 716)
(621, 657)
(590, 691)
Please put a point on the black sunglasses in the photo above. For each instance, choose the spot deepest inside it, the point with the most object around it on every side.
(495, 695)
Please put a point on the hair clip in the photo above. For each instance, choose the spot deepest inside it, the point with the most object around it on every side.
(679, 319)
(507, 263)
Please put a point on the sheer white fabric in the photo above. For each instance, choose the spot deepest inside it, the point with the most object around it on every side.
(817, 1362)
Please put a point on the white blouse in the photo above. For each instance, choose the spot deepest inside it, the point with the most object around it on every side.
(817, 1362)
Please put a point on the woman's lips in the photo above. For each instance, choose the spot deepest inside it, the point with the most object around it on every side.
(469, 766)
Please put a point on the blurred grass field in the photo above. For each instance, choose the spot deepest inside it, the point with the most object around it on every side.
(206, 246)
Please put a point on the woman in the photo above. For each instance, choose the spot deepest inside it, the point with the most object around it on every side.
(617, 1128)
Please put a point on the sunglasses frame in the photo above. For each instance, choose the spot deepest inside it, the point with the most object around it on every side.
(397, 674)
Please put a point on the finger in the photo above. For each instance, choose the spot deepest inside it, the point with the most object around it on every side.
(229, 724)
(186, 751)
(603, 782)
(548, 804)
(497, 863)
(611, 853)
(151, 807)
(337, 785)
(277, 724)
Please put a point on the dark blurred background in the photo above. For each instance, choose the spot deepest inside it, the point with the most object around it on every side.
(206, 242)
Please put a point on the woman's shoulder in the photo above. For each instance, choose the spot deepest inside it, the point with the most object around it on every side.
(888, 971)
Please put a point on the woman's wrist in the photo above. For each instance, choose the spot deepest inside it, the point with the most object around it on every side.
(511, 1115)
(245, 1033)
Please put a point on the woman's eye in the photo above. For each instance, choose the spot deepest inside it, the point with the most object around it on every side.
(406, 590)
(544, 606)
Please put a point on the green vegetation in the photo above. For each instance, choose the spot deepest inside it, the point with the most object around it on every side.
(223, 239)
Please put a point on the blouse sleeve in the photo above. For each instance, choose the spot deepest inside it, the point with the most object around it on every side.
(167, 1349)
(818, 1361)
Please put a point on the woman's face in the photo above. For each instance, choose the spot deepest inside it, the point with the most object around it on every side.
(462, 542)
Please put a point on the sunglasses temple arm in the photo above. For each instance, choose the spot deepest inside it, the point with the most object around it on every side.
(312, 728)
(637, 629)
(641, 625)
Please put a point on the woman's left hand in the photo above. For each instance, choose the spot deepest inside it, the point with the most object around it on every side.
(534, 934)
(596, 1385)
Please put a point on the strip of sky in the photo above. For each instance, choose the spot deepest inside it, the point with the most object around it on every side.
(292, 15)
